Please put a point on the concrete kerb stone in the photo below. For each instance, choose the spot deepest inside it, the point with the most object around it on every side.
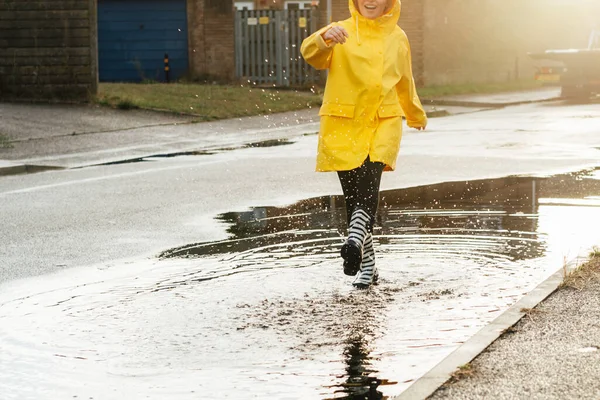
(437, 113)
(460, 103)
(12, 168)
(442, 372)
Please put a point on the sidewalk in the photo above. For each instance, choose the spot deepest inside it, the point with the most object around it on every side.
(497, 99)
(552, 353)
(67, 136)
(542, 347)
(46, 136)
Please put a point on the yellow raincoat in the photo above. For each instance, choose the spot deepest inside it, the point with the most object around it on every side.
(369, 88)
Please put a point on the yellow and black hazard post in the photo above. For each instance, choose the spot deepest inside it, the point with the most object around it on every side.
(167, 68)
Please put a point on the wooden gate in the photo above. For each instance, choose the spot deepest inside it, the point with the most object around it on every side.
(267, 48)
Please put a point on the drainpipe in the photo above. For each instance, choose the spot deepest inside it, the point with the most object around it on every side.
(329, 16)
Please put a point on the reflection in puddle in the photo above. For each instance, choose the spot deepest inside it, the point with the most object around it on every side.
(485, 221)
(268, 313)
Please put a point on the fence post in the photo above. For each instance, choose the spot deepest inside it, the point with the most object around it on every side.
(314, 18)
(279, 47)
(286, 48)
(239, 57)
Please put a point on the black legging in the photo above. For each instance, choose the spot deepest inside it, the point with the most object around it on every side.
(361, 189)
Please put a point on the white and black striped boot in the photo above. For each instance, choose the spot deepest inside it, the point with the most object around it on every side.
(368, 274)
(352, 250)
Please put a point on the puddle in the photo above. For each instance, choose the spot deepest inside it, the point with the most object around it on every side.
(268, 312)
(270, 143)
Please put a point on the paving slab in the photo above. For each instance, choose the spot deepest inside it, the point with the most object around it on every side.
(30, 121)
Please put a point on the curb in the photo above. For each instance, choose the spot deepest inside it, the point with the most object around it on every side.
(459, 103)
(429, 383)
(9, 168)
(437, 113)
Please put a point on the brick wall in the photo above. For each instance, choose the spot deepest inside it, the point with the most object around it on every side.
(262, 4)
(411, 21)
(488, 40)
(211, 38)
(48, 49)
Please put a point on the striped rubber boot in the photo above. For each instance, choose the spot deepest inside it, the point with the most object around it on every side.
(368, 274)
(352, 250)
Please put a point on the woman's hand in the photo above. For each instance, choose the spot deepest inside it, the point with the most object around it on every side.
(336, 34)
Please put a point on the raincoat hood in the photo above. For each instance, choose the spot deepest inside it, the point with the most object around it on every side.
(388, 21)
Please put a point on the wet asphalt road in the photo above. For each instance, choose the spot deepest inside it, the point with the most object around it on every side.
(100, 214)
(277, 318)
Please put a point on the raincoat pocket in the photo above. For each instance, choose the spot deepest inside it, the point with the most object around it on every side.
(390, 111)
(337, 110)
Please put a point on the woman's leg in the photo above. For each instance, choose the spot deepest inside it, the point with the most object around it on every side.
(368, 271)
(370, 193)
(361, 194)
(361, 189)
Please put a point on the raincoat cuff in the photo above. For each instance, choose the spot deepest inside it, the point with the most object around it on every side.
(417, 123)
(322, 44)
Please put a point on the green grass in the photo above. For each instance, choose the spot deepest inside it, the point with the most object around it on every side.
(462, 372)
(211, 102)
(477, 88)
(207, 102)
(584, 274)
(4, 142)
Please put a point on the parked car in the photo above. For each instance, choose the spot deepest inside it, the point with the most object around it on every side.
(577, 71)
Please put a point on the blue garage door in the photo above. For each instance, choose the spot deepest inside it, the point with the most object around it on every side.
(135, 35)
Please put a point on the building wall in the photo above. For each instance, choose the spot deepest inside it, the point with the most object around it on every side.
(411, 21)
(211, 38)
(48, 50)
(488, 40)
(265, 4)
(240, 5)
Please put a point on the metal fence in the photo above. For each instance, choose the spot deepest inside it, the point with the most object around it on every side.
(267, 47)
